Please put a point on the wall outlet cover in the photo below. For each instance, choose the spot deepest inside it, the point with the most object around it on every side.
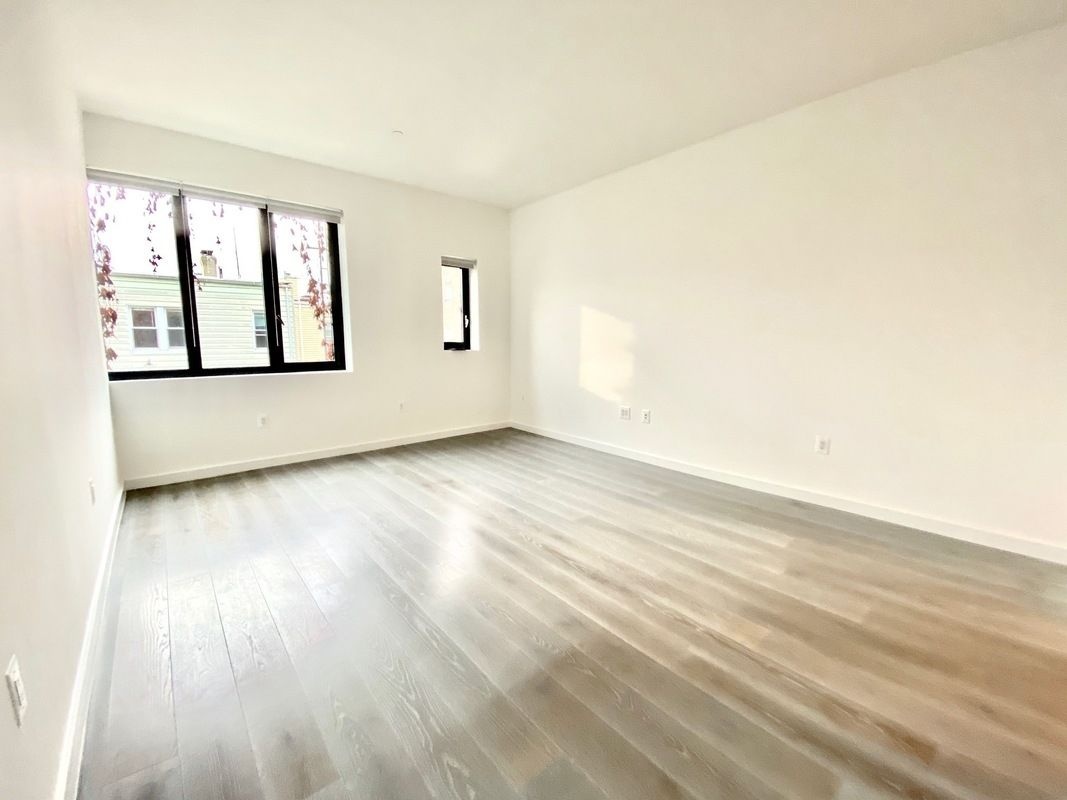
(646, 416)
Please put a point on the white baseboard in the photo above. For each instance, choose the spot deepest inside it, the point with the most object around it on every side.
(999, 540)
(66, 787)
(231, 467)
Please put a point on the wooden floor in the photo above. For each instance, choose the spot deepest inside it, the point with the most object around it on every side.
(502, 616)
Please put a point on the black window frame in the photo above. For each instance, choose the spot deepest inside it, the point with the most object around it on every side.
(466, 291)
(271, 292)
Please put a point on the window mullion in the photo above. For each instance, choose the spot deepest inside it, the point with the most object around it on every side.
(162, 334)
(271, 299)
(336, 311)
(187, 281)
(466, 308)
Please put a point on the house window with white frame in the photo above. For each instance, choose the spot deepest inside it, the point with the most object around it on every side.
(259, 328)
(156, 328)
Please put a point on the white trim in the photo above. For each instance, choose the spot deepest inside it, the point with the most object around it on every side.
(172, 188)
(70, 755)
(231, 467)
(132, 181)
(302, 211)
(462, 263)
(1008, 542)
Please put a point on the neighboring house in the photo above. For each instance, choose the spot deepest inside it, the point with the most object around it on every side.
(150, 332)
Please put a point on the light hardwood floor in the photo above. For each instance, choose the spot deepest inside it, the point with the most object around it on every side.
(502, 616)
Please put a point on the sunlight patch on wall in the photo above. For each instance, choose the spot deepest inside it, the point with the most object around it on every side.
(606, 361)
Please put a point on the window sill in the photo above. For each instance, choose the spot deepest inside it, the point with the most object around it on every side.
(247, 372)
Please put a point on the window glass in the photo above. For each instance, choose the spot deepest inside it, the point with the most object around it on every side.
(454, 313)
(136, 262)
(175, 328)
(227, 257)
(144, 318)
(305, 294)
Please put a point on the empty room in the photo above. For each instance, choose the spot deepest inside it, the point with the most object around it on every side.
(545, 400)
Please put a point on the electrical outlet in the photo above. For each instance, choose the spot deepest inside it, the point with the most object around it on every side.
(822, 445)
(624, 413)
(261, 421)
(17, 689)
(92, 492)
(401, 405)
(646, 416)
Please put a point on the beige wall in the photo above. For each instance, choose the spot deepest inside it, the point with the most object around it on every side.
(887, 266)
(56, 430)
(393, 238)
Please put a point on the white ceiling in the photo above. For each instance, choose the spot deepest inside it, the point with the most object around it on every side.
(502, 101)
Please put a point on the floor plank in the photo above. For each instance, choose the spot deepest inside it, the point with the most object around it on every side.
(507, 616)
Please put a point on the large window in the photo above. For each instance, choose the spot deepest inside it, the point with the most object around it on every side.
(456, 302)
(193, 282)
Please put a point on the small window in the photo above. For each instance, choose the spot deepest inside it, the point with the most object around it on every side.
(456, 303)
(259, 328)
(145, 334)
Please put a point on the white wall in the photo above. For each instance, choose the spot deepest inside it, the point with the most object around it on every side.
(394, 237)
(56, 428)
(887, 266)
